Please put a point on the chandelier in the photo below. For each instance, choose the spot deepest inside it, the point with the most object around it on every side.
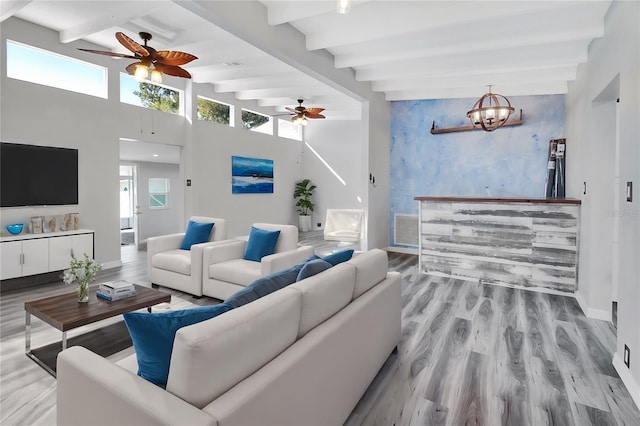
(490, 111)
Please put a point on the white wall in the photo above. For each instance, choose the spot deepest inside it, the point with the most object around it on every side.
(378, 155)
(339, 144)
(213, 146)
(42, 115)
(154, 222)
(95, 125)
(613, 68)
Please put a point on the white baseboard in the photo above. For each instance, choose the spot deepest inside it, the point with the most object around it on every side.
(598, 314)
(404, 250)
(111, 265)
(628, 380)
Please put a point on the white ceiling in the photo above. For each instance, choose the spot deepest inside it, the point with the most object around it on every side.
(406, 49)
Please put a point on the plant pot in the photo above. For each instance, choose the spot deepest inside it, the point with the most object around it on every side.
(304, 223)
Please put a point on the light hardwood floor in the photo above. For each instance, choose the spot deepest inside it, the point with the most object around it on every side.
(470, 354)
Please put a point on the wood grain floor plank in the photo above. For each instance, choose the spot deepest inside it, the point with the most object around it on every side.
(469, 353)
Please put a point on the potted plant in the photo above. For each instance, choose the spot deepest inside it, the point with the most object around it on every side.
(303, 192)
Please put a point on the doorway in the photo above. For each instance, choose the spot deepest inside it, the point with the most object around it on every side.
(128, 205)
(605, 229)
(154, 200)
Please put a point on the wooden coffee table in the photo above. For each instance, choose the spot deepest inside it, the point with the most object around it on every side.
(65, 313)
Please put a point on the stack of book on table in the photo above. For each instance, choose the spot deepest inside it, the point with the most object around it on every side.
(116, 290)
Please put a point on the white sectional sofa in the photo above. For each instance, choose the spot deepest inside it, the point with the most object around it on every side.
(302, 355)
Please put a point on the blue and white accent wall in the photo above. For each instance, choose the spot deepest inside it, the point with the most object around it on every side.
(508, 162)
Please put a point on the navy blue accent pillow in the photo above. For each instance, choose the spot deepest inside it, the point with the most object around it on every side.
(196, 233)
(261, 243)
(276, 281)
(242, 297)
(338, 257)
(265, 285)
(153, 333)
(313, 267)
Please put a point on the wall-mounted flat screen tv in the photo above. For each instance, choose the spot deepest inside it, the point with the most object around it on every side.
(32, 175)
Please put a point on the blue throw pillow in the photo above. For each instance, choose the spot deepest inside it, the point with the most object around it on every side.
(242, 297)
(313, 267)
(276, 281)
(153, 333)
(196, 233)
(261, 243)
(338, 257)
(265, 285)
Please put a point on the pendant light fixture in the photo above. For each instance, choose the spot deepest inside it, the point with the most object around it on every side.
(490, 111)
(343, 6)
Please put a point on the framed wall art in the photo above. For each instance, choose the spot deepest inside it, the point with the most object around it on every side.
(251, 175)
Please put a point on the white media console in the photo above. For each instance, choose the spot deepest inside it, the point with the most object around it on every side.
(30, 254)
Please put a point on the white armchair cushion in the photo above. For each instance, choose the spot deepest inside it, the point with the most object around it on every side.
(237, 271)
(173, 260)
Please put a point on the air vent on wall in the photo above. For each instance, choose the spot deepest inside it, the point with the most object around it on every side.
(405, 229)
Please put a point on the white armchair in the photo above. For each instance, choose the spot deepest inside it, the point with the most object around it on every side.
(344, 225)
(169, 266)
(225, 271)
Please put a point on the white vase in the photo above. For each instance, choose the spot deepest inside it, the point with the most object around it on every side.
(304, 223)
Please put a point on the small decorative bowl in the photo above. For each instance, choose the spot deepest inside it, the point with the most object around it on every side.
(15, 229)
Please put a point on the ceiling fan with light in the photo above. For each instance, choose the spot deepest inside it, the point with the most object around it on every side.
(152, 62)
(300, 114)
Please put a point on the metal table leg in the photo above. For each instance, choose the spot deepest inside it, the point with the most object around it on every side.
(27, 332)
(27, 344)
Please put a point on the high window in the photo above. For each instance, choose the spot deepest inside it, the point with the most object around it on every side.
(290, 130)
(149, 95)
(218, 112)
(40, 66)
(256, 122)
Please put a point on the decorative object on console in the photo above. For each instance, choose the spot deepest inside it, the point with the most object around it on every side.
(303, 192)
(37, 225)
(251, 175)
(75, 221)
(15, 229)
(51, 224)
(82, 272)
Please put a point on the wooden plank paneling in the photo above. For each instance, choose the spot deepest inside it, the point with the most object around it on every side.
(512, 243)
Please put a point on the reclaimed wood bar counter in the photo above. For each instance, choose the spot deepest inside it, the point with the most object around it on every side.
(529, 242)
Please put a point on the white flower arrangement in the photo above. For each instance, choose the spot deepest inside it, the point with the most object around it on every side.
(83, 272)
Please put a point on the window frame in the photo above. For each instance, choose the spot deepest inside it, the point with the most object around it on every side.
(231, 111)
(152, 194)
(181, 95)
(103, 91)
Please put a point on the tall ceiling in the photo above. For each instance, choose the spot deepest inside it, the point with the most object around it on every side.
(406, 49)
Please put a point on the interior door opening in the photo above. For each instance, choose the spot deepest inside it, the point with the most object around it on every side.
(127, 204)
